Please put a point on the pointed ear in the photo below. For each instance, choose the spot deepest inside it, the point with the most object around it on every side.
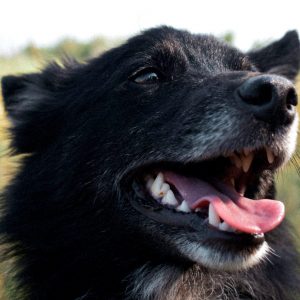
(281, 57)
(15, 94)
(28, 101)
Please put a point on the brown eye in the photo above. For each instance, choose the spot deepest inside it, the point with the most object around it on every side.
(146, 76)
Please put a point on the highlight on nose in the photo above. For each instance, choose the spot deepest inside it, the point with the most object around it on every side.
(269, 98)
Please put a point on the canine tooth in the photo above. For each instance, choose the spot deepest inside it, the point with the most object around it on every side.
(169, 199)
(242, 190)
(157, 184)
(246, 162)
(225, 227)
(270, 155)
(236, 161)
(213, 216)
(183, 207)
(164, 189)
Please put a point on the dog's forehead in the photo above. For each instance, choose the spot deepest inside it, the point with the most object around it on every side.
(196, 49)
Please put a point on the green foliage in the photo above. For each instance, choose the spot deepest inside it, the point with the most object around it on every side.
(71, 47)
(32, 58)
(228, 37)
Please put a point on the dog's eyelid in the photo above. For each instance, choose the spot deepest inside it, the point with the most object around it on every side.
(147, 75)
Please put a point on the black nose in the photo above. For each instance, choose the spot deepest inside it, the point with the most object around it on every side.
(269, 98)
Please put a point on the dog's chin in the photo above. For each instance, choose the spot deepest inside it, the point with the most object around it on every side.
(220, 258)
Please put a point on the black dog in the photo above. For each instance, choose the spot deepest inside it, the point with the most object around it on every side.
(141, 167)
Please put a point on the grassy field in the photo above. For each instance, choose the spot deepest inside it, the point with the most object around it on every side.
(32, 59)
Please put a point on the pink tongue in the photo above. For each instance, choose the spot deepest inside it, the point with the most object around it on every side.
(241, 213)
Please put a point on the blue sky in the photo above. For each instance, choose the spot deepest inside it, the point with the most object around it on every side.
(44, 22)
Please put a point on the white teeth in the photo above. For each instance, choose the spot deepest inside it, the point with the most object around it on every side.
(164, 189)
(169, 199)
(243, 160)
(246, 162)
(213, 216)
(242, 190)
(157, 185)
(225, 227)
(183, 207)
(160, 189)
(149, 183)
(236, 160)
(270, 155)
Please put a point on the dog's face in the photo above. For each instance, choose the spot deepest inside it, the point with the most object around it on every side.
(180, 135)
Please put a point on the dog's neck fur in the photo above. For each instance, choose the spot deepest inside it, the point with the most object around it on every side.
(166, 282)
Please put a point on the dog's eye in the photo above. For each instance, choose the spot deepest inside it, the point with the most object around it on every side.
(146, 76)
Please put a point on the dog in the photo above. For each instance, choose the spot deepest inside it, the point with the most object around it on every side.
(148, 172)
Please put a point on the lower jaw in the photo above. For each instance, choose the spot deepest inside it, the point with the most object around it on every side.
(217, 258)
(198, 241)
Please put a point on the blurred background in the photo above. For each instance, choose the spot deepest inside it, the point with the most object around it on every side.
(34, 32)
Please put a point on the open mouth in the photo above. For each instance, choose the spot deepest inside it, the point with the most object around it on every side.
(220, 192)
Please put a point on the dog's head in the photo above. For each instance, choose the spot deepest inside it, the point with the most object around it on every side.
(178, 136)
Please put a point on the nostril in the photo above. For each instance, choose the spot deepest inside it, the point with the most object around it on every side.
(269, 98)
(264, 94)
(257, 93)
(291, 98)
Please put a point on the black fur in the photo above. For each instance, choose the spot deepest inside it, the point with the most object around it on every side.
(67, 218)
